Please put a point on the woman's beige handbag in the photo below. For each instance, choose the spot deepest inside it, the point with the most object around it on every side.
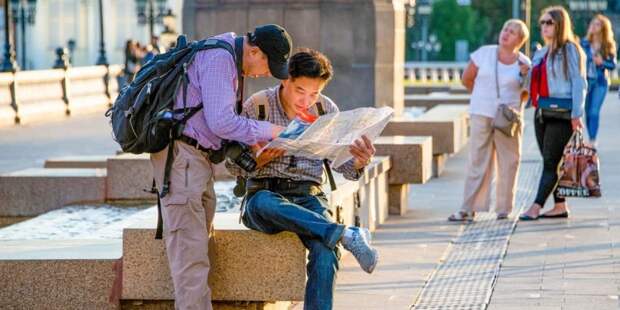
(507, 119)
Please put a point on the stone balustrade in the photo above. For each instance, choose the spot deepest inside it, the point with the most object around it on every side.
(434, 72)
(27, 96)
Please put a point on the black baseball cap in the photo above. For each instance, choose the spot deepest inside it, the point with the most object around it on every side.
(276, 43)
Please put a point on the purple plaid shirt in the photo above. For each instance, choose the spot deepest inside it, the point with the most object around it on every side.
(213, 81)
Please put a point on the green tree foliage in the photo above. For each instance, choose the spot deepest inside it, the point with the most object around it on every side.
(497, 12)
(451, 22)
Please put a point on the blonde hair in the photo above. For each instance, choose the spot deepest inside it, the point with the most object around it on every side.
(521, 27)
(563, 36)
(608, 44)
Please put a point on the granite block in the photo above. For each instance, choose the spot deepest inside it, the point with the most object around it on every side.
(240, 269)
(10, 220)
(129, 176)
(411, 158)
(439, 163)
(88, 162)
(217, 305)
(398, 198)
(35, 191)
(445, 124)
(56, 284)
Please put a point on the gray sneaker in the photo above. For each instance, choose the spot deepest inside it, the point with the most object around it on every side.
(360, 247)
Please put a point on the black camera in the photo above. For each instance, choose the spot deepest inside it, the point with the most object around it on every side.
(237, 152)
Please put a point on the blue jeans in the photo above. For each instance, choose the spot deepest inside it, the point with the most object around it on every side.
(306, 216)
(594, 102)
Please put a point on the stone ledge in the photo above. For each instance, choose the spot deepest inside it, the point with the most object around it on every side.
(128, 177)
(56, 284)
(130, 174)
(411, 158)
(446, 124)
(34, 191)
(239, 269)
(72, 162)
(217, 305)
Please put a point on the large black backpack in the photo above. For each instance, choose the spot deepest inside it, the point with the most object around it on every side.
(142, 105)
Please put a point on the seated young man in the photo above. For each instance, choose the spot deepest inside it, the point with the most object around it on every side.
(284, 193)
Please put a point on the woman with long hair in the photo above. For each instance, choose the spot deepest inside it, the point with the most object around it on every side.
(600, 48)
(557, 90)
(494, 77)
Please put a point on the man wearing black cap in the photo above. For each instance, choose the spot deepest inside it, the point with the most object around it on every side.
(216, 81)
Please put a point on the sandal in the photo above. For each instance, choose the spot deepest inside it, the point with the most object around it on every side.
(462, 216)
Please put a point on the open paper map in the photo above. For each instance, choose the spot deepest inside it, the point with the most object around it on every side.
(331, 134)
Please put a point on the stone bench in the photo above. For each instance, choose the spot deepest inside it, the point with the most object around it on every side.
(79, 274)
(238, 254)
(57, 274)
(34, 191)
(412, 163)
(434, 99)
(128, 175)
(239, 270)
(448, 125)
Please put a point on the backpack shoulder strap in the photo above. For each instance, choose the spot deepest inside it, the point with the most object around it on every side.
(320, 109)
(320, 106)
(216, 43)
(261, 105)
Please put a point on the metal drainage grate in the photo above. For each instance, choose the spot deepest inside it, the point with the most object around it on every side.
(465, 276)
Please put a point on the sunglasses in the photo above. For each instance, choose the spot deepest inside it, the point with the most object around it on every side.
(547, 22)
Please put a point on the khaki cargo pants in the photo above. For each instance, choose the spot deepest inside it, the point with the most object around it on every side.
(188, 212)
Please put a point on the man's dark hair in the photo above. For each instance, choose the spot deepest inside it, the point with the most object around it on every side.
(311, 64)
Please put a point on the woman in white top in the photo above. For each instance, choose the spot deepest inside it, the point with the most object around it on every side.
(494, 76)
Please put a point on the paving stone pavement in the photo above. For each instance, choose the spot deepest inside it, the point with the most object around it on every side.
(570, 263)
(548, 264)
(28, 146)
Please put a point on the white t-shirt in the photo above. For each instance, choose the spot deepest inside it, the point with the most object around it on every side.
(484, 100)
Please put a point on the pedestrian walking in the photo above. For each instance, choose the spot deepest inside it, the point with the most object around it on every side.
(600, 49)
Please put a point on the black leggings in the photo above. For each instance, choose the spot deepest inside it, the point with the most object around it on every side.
(552, 136)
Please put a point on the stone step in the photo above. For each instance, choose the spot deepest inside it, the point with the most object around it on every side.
(34, 191)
